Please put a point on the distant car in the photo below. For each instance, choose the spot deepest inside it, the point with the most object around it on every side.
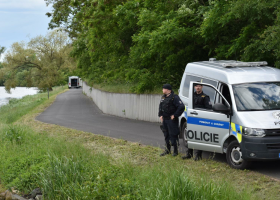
(74, 81)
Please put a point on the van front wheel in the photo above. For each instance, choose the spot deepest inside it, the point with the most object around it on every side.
(234, 156)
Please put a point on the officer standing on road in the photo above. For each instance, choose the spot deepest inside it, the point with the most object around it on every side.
(201, 100)
(170, 108)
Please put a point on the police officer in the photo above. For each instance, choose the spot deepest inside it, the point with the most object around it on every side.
(170, 108)
(201, 100)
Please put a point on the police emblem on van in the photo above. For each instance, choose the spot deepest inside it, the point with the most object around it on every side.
(276, 115)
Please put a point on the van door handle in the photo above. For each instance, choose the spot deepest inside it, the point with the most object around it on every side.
(194, 113)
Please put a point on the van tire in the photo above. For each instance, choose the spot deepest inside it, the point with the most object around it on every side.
(234, 156)
(185, 141)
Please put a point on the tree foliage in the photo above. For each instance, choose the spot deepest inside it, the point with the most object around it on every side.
(42, 62)
(2, 49)
(243, 30)
(149, 42)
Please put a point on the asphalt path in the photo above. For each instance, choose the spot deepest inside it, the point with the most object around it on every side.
(74, 110)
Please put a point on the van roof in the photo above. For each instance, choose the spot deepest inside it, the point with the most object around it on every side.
(227, 71)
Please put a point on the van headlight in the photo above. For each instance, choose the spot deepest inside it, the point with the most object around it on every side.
(253, 132)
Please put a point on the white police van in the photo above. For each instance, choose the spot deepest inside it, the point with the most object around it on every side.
(244, 121)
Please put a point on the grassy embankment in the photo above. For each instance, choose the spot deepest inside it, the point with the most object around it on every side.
(70, 163)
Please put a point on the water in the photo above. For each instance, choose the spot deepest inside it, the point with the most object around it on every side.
(17, 93)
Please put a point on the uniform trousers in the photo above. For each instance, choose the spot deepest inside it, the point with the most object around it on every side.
(171, 132)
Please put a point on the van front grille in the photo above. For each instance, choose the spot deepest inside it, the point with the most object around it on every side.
(272, 132)
(273, 146)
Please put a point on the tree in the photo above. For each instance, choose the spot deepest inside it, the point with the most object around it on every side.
(242, 30)
(65, 15)
(2, 49)
(144, 42)
(44, 62)
(149, 42)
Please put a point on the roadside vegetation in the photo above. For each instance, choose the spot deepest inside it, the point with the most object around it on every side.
(147, 43)
(123, 88)
(71, 164)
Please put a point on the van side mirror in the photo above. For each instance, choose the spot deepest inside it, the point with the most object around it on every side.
(219, 107)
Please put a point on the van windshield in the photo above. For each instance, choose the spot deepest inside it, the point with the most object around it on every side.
(257, 96)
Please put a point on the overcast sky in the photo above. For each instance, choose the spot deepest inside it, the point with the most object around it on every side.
(21, 20)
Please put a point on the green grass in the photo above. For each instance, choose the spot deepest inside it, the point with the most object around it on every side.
(71, 164)
(66, 169)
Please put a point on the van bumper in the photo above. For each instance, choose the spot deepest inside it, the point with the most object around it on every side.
(265, 148)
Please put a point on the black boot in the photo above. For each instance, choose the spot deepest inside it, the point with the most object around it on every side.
(175, 152)
(166, 151)
(198, 155)
(188, 155)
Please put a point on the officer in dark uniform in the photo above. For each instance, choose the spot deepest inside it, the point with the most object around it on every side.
(170, 108)
(201, 100)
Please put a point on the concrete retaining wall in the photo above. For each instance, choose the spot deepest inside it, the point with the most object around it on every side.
(133, 106)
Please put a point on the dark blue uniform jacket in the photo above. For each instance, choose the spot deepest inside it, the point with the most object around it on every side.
(177, 103)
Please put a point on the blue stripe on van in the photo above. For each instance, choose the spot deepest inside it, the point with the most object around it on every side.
(208, 122)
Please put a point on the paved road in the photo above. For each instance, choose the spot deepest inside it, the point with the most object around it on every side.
(74, 110)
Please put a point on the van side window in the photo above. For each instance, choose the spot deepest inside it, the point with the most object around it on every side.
(190, 78)
(225, 92)
(203, 97)
(186, 88)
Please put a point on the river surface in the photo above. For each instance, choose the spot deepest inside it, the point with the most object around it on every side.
(17, 93)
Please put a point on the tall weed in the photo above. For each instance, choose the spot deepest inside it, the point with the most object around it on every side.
(14, 134)
(84, 178)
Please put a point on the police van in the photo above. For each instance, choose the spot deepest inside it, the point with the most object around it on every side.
(244, 121)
